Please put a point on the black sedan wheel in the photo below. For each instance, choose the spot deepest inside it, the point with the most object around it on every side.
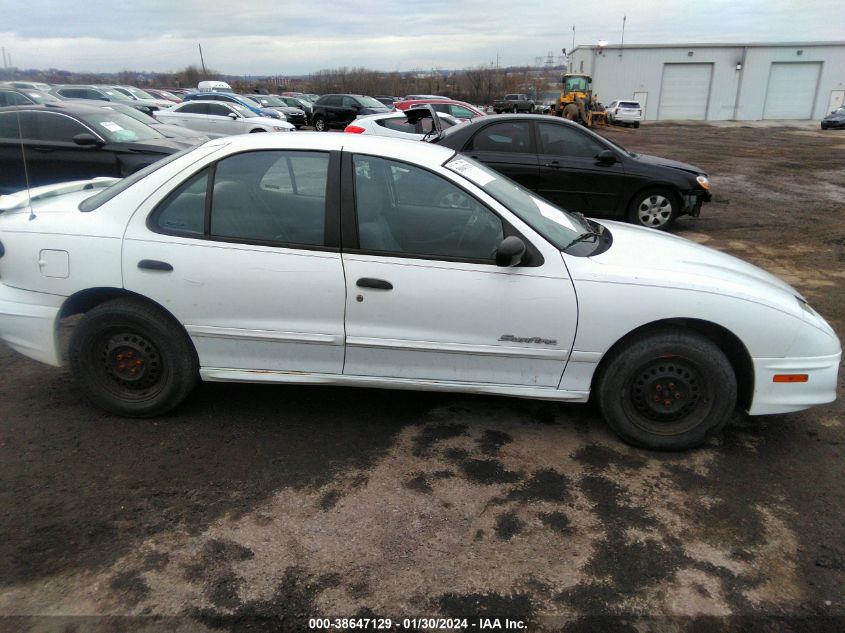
(320, 124)
(654, 208)
(131, 359)
(667, 391)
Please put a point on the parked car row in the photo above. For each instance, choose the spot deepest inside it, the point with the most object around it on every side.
(71, 141)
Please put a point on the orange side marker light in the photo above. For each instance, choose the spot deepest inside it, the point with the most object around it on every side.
(790, 378)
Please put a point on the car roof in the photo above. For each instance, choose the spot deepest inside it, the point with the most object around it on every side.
(425, 154)
(70, 107)
(489, 119)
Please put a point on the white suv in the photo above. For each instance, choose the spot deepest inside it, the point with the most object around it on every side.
(625, 112)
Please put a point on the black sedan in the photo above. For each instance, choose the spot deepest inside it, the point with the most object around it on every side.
(581, 171)
(340, 110)
(68, 141)
(834, 119)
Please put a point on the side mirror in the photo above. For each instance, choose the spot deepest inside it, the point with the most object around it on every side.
(233, 116)
(510, 251)
(86, 140)
(606, 157)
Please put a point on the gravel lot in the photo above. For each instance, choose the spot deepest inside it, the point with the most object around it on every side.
(255, 508)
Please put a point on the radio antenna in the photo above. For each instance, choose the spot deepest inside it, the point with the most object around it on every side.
(32, 215)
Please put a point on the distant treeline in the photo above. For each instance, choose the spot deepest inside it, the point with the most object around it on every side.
(480, 85)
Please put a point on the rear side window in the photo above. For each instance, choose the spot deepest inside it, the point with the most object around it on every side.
(183, 211)
(629, 104)
(271, 196)
(503, 137)
(193, 108)
(11, 124)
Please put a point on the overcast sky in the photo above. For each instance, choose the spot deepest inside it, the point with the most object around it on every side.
(252, 37)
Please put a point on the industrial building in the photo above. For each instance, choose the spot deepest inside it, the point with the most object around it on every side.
(716, 82)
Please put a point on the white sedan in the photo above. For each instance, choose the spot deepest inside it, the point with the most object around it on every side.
(218, 117)
(357, 260)
(398, 125)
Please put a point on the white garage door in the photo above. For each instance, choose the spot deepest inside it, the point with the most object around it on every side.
(792, 90)
(685, 91)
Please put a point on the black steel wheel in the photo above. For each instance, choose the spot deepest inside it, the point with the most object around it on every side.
(667, 391)
(131, 359)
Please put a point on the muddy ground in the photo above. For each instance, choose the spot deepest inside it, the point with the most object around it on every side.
(253, 508)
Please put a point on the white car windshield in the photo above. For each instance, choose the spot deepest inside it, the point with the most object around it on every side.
(556, 225)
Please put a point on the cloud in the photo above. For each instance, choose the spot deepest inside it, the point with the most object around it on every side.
(286, 37)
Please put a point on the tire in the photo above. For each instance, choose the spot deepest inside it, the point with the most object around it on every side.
(131, 359)
(571, 113)
(320, 124)
(636, 124)
(256, 130)
(495, 111)
(654, 208)
(667, 390)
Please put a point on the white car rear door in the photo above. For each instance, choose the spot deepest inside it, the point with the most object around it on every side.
(255, 274)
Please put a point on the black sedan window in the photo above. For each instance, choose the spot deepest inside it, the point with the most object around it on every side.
(563, 140)
(503, 137)
(51, 126)
(11, 124)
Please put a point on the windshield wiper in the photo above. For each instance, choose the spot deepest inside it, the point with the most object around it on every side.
(583, 238)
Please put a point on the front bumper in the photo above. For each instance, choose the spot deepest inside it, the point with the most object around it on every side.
(693, 202)
(826, 125)
(28, 323)
(783, 397)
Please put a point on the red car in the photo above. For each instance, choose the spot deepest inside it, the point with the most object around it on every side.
(457, 109)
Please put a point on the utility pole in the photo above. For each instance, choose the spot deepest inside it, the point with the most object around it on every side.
(573, 38)
(4, 58)
(202, 61)
(622, 45)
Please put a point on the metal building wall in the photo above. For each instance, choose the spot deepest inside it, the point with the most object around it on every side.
(733, 94)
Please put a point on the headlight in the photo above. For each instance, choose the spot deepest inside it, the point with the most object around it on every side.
(278, 128)
(702, 180)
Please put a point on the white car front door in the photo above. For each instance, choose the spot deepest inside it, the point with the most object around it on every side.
(253, 273)
(425, 298)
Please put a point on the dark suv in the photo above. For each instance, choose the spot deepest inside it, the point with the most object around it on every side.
(340, 110)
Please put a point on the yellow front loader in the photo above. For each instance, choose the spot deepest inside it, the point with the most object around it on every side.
(576, 101)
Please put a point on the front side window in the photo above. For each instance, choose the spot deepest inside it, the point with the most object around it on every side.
(503, 137)
(349, 102)
(218, 109)
(405, 210)
(56, 127)
(565, 140)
